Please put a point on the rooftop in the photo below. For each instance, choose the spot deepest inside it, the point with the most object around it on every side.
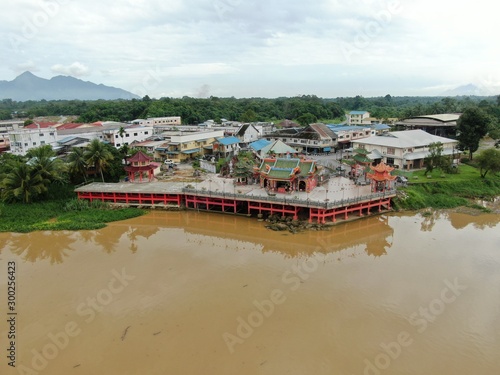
(404, 139)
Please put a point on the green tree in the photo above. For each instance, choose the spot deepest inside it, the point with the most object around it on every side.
(488, 160)
(435, 158)
(43, 159)
(472, 125)
(77, 164)
(98, 156)
(249, 116)
(23, 183)
(306, 119)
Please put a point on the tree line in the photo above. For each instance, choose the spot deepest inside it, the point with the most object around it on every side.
(303, 109)
(40, 173)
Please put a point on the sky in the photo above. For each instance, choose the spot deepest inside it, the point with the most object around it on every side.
(259, 48)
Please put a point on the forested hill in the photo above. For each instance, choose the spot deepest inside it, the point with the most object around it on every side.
(303, 109)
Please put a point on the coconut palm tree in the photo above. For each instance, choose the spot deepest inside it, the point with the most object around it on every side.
(77, 165)
(98, 155)
(23, 183)
(44, 160)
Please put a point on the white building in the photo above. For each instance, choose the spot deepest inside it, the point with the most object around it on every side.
(22, 140)
(248, 133)
(151, 121)
(358, 118)
(131, 133)
(405, 149)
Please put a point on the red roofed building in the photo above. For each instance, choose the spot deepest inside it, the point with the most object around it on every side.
(69, 125)
(381, 177)
(41, 125)
(140, 164)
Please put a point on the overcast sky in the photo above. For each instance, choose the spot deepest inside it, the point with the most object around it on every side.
(258, 48)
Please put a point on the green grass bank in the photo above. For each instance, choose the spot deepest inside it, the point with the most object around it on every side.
(442, 190)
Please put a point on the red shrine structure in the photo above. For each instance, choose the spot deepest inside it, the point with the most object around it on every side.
(381, 177)
(284, 175)
(140, 164)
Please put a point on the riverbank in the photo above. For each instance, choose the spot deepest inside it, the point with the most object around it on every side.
(62, 214)
(463, 189)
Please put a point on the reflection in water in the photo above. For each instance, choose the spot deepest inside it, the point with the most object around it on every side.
(32, 247)
(195, 276)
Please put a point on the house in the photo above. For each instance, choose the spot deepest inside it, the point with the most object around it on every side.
(358, 118)
(247, 133)
(443, 124)
(347, 134)
(182, 146)
(315, 138)
(257, 146)
(226, 147)
(405, 149)
(150, 147)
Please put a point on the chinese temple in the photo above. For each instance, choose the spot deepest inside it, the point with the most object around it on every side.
(141, 165)
(381, 177)
(283, 175)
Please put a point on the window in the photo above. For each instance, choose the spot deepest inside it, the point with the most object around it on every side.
(42, 135)
(42, 142)
(135, 134)
(127, 135)
(116, 136)
(391, 150)
(51, 134)
(34, 143)
(146, 132)
(390, 161)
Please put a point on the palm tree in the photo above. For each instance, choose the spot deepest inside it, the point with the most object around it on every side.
(121, 133)
(23, 183)
(77, 165)
(43, 159)
(98, 155)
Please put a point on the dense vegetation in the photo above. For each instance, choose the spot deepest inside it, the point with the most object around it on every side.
(37, 193)
(194, 110)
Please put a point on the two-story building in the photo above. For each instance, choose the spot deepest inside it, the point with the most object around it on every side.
(405, 149)
(131, 134)
(315, 138)
(226, 147)
(158, 121)
(248, 133)
(182, 146)
(347, 134)
(358, 118)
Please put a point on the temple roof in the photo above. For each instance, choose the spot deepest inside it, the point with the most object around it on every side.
(139, 157)
(381, 172)
(287, 168)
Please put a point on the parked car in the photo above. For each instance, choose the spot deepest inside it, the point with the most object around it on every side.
(169, 163)
(401, 180)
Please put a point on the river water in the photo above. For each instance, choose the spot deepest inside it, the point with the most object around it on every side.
(199, 293)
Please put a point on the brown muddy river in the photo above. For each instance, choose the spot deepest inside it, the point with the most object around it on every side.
(196, 293)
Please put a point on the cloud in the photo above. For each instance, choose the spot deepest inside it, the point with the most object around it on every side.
(75, 70)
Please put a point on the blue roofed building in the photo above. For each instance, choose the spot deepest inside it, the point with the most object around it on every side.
(226, 147)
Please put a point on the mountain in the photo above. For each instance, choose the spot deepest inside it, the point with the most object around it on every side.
(28, 86)
(469, 89)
